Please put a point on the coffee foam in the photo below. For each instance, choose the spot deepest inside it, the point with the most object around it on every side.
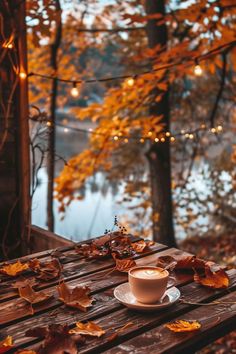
(148, 273)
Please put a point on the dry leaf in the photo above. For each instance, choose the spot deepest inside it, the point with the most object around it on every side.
(25, 351)
(167, 262)
(46, 271)
(190, 262)
(77, 297)
(14, 269)
(139, 246)
(6, 344)
(183, 326)
(21, 282)
(119, 330)
(87, 329)
(124, 264)
(31, 296)
(57, 339)
(214, 279)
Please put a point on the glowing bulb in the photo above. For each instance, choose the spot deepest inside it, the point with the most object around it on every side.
(74, 91)
(182, 131)
(8, 45)
(130, 82)
(150, 133)
(167, 133)
(191, 136)
(22, 75)
(116, 138)
(172, 138)
(120, 134)
(219, 128)
(198, 70)
(141, 140)
(65, 130)
(213, 130)
(49, 123)
(90, 130)
(162, 140)
(186, 135)
(156, 140)
(126, 140)
(203, 126)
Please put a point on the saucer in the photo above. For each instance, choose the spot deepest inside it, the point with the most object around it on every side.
(123, 294)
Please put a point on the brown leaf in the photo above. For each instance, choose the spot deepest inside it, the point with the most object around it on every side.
(46, 271)
(21, 282)
(14, 269)
(28, 294)
(124, 264)
(87, 329)
(57, 339)
(213, 279)
(190, 262)
(77, 297)
(139, 246)
(166, 262)
(101, 241)
(183, 326)
(26, 351)
(6, 344)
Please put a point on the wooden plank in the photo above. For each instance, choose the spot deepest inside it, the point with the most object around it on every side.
(15, 309)
(215, 320)
(110, 314)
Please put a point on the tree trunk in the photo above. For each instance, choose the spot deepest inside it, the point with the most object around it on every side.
(51, 138)
(159, 154)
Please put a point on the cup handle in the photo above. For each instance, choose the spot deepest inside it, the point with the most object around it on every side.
(171, 282)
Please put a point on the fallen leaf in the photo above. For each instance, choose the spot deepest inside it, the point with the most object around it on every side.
(87, 329)
(166, 262)
(48, 270)
(21, 282)
(101, 241)
(6, 344)
(213, 279)
(14, 269)
(56, 339)
(183, 326)
(77, 297)
(31, 296)
(124, 264)
(139, 246)
(26, 351)
(119, 330)
(190, 262)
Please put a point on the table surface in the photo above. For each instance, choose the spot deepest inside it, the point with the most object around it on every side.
(146, 334)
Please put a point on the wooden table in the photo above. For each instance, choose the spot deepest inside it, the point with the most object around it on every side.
(147, 334)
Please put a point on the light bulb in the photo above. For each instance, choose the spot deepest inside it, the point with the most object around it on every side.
(22, 75)
(8, 45)
(126, 140)
(203, 126)
(219, 128)
(65, 130)
(156, 140)
(49, 123)
(191, 136)
(162, 140)
(141, 140)
(186, 135)
(74, 91)
(167, 133)
(198, 70)
(116, 138)
(130, 82)
(172, 139)
(150, 133)
(213, 130)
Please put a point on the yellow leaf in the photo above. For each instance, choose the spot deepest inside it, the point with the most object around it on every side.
(183, 326)
(87, 329)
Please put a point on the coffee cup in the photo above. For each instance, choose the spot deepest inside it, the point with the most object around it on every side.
(148, 283)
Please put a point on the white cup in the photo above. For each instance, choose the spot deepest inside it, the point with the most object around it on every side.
(148, 283)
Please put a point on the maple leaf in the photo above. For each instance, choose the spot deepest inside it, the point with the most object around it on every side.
(183, 326)
(56, 339)
(46, 271)
(22, 282)
(123, 264)
(190, 262)
(77, 297)
(6, 344)
(139, 246)
(167, 262)
(14, 269)
(87, 329)
(31, 296)
(213, 279)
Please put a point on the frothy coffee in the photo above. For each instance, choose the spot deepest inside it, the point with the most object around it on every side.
(148, 273)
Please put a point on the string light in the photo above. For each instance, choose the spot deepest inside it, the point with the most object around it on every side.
(141, 140)
(22, 75)
(126, 140)
(186, 135)
(198, 70)
(172, 139)
(150, 133)
(163, 140)
(66, 130)
(191, 136)
(74, 91)
(219, 128)
(116, 138)
(168, 134)
(49, 124)
(130, 82)
(156, 140)
(213, 130)
(203, 126)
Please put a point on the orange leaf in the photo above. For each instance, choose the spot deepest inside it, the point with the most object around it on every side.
(87, 329)
(190, 262)
(48, 270)
(183, 326)
(77, 297)
(139, 246)
(124, 264)
(14, 269)
(6, 344)
(31, 296)
(213, 279)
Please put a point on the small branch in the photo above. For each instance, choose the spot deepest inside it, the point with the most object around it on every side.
(221, 89)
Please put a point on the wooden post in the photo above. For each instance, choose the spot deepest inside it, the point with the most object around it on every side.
(14, 132)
